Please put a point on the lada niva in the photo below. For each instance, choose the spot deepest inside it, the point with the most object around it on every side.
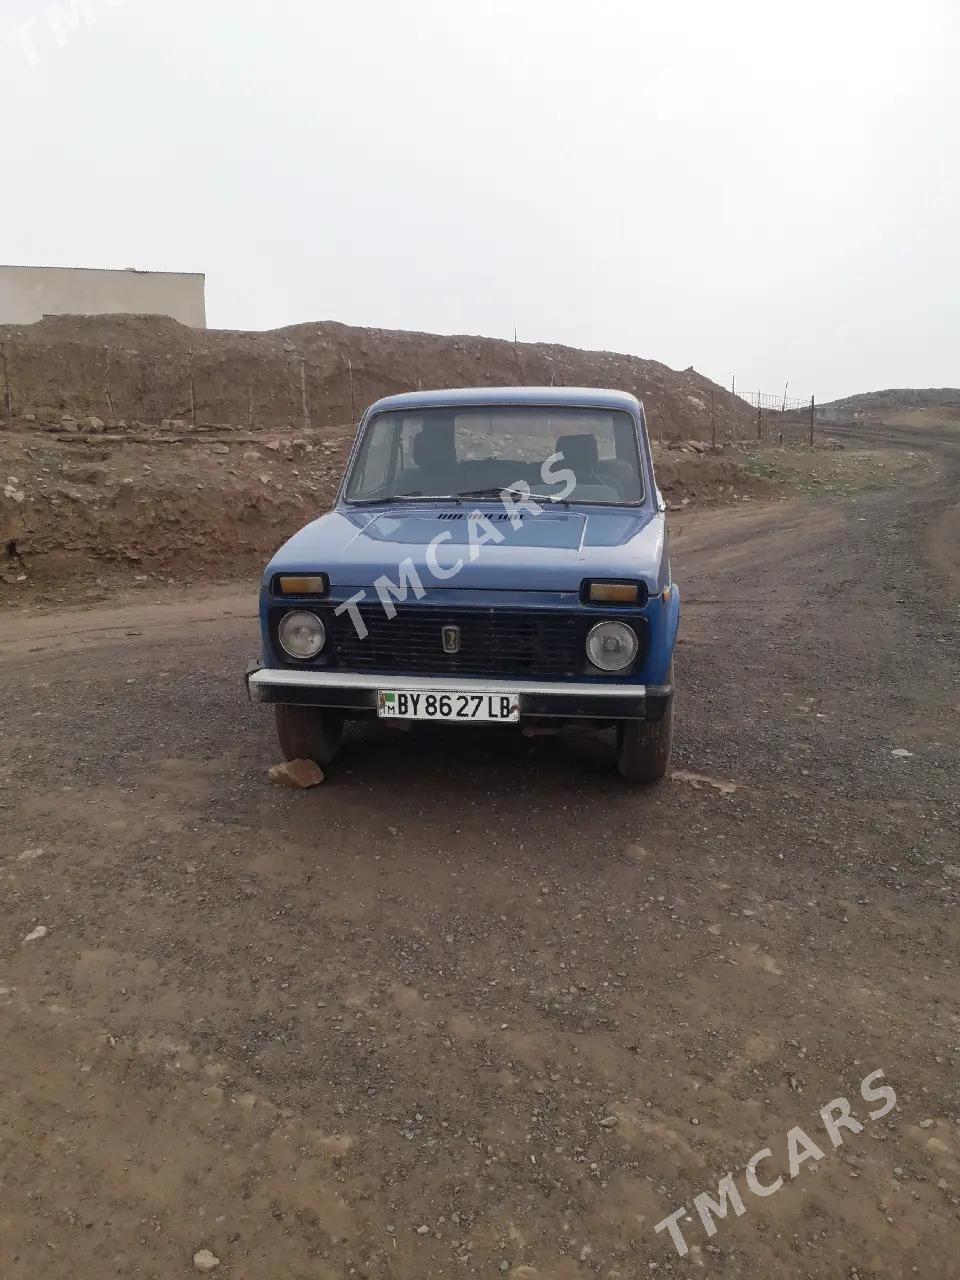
(494, 556)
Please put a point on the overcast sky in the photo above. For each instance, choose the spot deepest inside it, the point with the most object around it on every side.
(750, 187)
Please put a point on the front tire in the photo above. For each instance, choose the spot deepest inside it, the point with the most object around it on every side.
(309, 733)
(644, 747)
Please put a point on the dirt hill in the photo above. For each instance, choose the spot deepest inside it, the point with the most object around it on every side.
(882, 405)
(145, 369)
(134, 449)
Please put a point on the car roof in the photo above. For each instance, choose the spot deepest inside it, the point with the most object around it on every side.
(457, 397)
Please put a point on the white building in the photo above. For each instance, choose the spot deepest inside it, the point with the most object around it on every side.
(27, 294)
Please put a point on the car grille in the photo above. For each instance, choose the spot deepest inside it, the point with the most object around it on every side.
(492, 642)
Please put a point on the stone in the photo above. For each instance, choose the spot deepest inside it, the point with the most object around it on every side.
(609, 1122)
(302, 774)
(93, 424)
(81, 474)
(204, 1261)
(38, 934)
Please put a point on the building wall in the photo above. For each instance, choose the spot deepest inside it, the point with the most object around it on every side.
(27, 294)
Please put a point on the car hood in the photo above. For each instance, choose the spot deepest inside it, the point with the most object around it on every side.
(554, 551)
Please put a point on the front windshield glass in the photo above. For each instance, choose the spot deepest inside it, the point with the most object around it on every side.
(573, 455)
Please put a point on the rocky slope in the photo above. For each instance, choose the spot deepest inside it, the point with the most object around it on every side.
(130, 370)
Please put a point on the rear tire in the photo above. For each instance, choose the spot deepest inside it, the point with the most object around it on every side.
(644, 747)
(309, 733)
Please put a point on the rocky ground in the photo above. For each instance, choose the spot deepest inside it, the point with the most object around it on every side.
(85, 513)
(474, 1007)
(81, 516)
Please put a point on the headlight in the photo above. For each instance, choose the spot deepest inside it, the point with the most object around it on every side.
(612, 646)
(302, 636)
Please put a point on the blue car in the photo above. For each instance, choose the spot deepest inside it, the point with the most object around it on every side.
(494, 556)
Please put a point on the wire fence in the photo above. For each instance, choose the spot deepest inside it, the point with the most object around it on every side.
(751, 416)
(788, 420)
(779, 403)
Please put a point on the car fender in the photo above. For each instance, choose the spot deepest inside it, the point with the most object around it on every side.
(664, 617)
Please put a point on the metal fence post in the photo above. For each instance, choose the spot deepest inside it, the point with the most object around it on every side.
(7, 397)
(812, 416)
(108, 393)
(304, 402)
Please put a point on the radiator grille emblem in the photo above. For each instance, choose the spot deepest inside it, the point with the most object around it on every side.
(451, 640)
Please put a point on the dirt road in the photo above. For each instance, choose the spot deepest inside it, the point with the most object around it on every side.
(474, 1007)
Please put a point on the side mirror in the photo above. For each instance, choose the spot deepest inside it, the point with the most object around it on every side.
(661, 502)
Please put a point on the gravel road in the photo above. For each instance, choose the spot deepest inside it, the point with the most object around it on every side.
(474, 1007)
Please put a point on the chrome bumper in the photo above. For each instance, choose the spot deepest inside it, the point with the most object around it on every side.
(348, 691)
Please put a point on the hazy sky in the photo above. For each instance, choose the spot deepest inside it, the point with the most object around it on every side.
(756, 188)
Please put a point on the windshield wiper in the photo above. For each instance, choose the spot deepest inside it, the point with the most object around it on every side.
(542, 499)
(498, 492)
(386, 497)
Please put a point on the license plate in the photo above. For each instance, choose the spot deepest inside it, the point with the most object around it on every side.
(465, 708)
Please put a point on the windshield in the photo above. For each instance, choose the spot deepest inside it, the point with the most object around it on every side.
(573, 455)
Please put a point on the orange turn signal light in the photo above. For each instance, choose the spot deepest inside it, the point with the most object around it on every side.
(305, 586)
(614, 593)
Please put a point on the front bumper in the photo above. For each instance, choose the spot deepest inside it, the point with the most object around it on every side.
(346, 691)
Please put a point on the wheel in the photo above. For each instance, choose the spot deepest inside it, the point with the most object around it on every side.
(644, 746)
(309, 733)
